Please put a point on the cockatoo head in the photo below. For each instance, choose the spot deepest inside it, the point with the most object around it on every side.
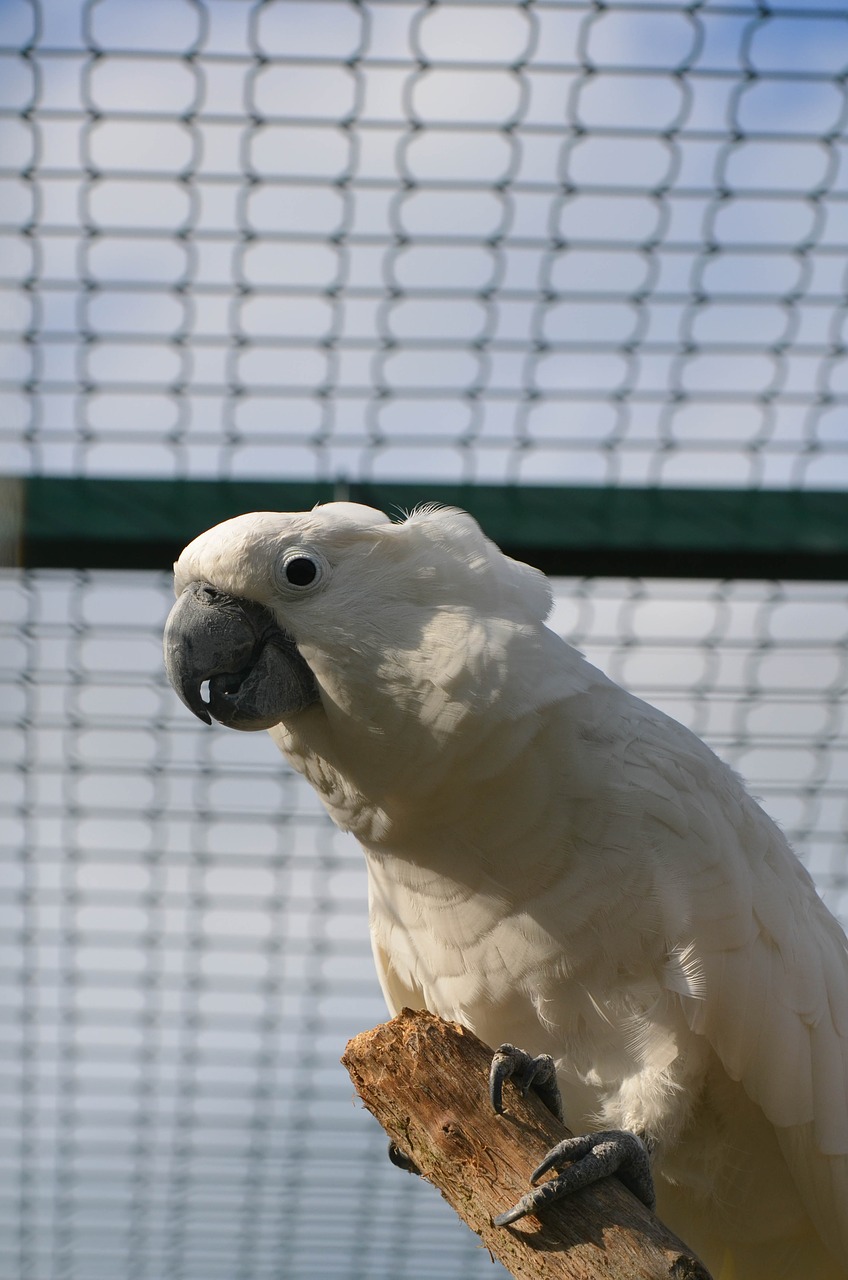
(276, 611)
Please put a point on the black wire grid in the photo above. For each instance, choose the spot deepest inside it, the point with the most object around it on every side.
(550, 240)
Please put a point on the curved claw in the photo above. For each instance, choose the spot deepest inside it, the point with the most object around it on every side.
(594, 1156)
(529, 1203)
(527, 1073)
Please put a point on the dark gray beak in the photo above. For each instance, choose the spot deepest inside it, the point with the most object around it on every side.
(255, 671)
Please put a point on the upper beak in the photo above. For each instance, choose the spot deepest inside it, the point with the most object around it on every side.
(255, 671)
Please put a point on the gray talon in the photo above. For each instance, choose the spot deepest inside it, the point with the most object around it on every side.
(589, 1158)
(527, 1073)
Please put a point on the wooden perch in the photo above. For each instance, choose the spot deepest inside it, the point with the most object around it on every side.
(426, 1081)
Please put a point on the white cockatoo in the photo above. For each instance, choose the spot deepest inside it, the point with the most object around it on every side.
(551, 861)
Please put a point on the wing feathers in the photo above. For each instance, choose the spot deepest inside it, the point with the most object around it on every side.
(774, 1000)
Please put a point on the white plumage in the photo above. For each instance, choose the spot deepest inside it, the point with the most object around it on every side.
(555, 863)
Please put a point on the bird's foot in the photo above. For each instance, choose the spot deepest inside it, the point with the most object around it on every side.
(588, 1158)
(527, 1073)
(402, 1160)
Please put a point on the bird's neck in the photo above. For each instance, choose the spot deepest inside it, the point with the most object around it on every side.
(402, 753)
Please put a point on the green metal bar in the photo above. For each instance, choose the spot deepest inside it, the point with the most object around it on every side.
(75, 522)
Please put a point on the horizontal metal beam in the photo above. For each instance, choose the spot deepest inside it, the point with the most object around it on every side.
(75, 522)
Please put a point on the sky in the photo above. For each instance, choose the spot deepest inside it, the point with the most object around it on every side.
(477, 241)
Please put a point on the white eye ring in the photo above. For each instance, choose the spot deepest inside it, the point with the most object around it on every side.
(300, 570)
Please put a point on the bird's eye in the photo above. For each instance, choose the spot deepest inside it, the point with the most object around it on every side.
(301, 570)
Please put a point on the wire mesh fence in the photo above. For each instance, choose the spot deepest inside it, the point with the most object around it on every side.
(510, 241)
(491, 241)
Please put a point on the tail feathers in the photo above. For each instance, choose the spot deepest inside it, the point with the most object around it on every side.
(823, 1184)
(804, 1260)
(772, 1253)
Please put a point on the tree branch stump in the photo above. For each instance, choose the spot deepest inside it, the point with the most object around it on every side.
(426, 1081)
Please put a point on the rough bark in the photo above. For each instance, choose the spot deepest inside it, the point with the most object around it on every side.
(426, 1081)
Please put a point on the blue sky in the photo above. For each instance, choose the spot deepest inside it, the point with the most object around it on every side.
(316, 315)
